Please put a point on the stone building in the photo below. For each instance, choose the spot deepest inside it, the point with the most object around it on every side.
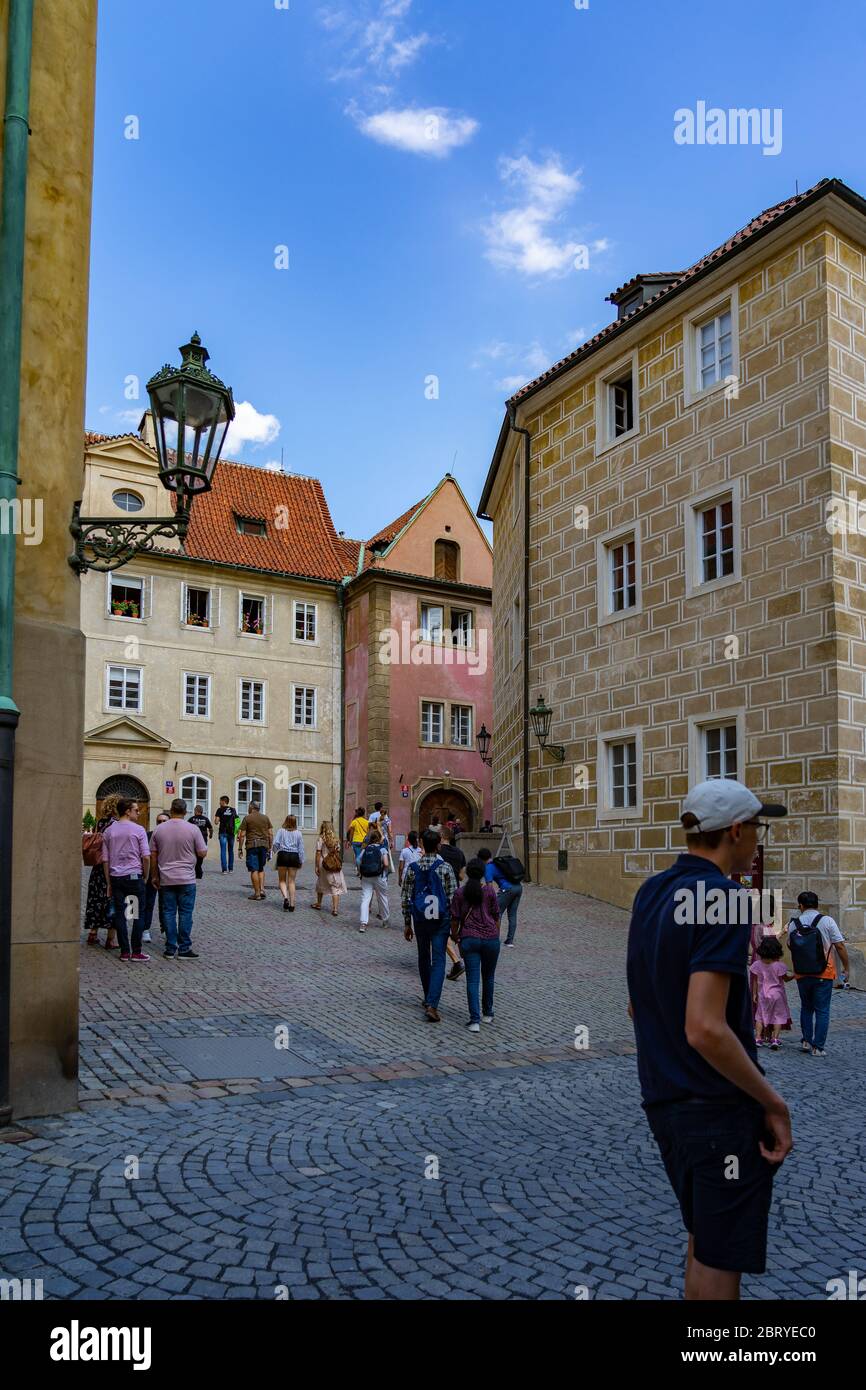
(696, 588)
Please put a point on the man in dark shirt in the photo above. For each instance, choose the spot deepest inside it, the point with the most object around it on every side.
(720, 1126)
(225, 819)
(199, 819)
(457, 859)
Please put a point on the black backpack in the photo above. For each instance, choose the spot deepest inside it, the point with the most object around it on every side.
(510, 868)
(807, 948)
(371, 861)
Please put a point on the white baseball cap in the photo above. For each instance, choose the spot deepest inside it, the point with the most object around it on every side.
(720, 802)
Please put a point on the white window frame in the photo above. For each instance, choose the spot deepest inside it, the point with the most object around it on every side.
(315, 721)
(604, 548)
(443, 708)
(604, 436)
(251, 680)
(124, 709)
(424, 627)
(694, 507)
(469, 645)
(452, 708)
(145, 604)
(727, 301)
(196, 676)
(305, 604)
(212, 603)
(604, 775)
(698, 726)
(266, 614)
(292, 812)
(197, 801)
(260, 796)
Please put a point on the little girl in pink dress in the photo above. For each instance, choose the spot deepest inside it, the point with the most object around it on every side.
(769, 977)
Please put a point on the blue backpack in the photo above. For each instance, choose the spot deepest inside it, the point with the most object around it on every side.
(370, 865)
(429, 902)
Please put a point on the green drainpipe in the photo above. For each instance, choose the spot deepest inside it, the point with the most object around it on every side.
(12, 229)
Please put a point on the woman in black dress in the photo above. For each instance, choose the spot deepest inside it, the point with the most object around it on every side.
(97, 909)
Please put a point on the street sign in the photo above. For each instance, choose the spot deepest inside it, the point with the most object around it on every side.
(169, 787)
(404, 790)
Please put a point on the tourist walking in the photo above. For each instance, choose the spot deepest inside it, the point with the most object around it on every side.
(457, 859)
(475, 924)
(409, 854)
(151, 895)
(289, 849)
(813, 938)
(373, 868)
(329, 867)
(770, 1002)
(509, 885)
(428, 888)
(357, 832)
(126, 864)
(226, 819)
(199, 818)
(178, 846)
(256, 835)
(706, 1100)
(98, 907)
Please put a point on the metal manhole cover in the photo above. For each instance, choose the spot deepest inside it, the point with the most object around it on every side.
(235, 1059)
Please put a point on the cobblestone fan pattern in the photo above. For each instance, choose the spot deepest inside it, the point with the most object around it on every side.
(326, 1186)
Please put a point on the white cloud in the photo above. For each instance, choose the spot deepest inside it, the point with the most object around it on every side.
(250, 426)
(376, 38)
(432, 131)
(521, 238)
(510, 384)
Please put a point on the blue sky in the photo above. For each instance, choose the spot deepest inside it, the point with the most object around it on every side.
(433, 167)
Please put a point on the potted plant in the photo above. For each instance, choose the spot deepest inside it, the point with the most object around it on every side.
(88, 821)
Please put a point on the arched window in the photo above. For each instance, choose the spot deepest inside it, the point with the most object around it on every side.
(302, 803)
(249, 789)
(446, 558)
(195, 791)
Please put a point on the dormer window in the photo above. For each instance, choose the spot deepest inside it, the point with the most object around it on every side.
(250, 526)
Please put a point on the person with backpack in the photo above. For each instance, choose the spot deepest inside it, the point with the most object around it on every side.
(373, 867)
(289, 847)
(429, 886)
(329, 867)
(508, 874)
(475, 924)
(812, 939)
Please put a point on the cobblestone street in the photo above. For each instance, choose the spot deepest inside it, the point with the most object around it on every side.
(307, 1179)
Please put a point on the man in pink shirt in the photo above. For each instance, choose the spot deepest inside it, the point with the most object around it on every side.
(177, 846)
(125, 863)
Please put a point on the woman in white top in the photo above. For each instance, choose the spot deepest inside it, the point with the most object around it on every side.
(289, 849)
(409, 854)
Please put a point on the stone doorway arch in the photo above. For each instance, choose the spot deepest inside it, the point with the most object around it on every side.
(446, 802)
(123, 785)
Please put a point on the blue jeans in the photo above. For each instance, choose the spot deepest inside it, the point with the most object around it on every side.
(227, 851)
(815, 999)
(357, 849)
(127, 894)
(480, 956)
(176, 904)
(509, 901)
(431, 940)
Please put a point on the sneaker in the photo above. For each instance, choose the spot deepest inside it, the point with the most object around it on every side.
(362, 929)
(508, 943)
(456, 971)
(774, 1046)
(139, 955)
(124, 955)
(805, 1047)
(169, 955)
(433, 1015)
(145, 936)
(187, 955)
(474, 1027)
(818, 1052)
(486, 1018)
(759, 1042)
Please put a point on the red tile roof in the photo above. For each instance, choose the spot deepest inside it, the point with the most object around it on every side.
(389, 533)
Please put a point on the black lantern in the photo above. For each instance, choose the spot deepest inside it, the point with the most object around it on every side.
(197, 408)
(541, 717)
(482, 738)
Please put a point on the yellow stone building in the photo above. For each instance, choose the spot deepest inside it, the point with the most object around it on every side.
(695, 593)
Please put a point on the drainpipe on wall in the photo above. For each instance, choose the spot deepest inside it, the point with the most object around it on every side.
(12, 232)
(527, 437)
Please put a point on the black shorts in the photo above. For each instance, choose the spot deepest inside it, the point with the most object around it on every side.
(722, 1182)
(288, 859)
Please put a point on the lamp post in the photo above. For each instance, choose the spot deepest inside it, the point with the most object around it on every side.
(482, 738)
(192, 410)
(540, 717)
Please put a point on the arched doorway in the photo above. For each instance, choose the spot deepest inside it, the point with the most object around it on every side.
(445, 803)
(130, 787)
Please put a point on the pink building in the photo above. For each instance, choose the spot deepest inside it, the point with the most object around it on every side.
(418, 653)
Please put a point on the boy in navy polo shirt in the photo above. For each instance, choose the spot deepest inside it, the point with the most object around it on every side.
(721, 1128)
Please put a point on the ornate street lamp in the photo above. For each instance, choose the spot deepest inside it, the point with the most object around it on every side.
(483, 740)
(540, 717)
(192, 410)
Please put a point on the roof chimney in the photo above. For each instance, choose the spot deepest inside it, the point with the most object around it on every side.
(146, 430)
(641, 288)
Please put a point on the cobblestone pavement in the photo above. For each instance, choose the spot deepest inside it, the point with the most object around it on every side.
(313, 1175)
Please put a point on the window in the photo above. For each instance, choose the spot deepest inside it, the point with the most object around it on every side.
(127, 501)
(516, 631)
(432, 719)
(124, 687)
(720, 751)
(432, 619)
(461, 627)
(623, 775)
(620, 398)
(252, 702)
(249, 789)
(618, 570)
(623, 575)
(302, 803)
(252, 614)
(715, 350)
(126, 597)
(195, 791)
(619, 775)
(717, 540)
(305, 622)
(461, 725)
(304, 707)
(196, 695)
(196, 607)
(446, 560)
(616, 391)
(250, 526)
